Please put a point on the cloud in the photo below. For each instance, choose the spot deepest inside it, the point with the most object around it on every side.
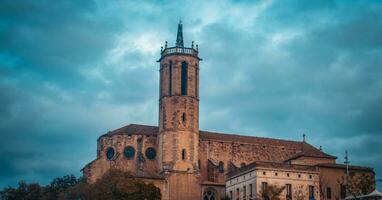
(71, 71)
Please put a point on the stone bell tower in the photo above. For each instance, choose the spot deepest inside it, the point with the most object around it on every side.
(179, 118)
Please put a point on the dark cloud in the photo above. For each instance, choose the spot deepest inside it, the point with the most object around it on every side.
(71, 70)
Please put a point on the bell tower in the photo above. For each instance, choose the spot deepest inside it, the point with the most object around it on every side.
(179, 117)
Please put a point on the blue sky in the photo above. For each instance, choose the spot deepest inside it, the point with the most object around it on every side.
(72, 70)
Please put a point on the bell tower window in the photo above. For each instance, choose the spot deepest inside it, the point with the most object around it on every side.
(170, 78)
(184, 79)
(184, 118)
(184, 154)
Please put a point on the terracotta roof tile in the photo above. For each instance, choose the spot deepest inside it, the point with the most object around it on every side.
(342, 166)
(307, 149)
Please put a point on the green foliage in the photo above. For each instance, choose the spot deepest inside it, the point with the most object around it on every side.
(113, 185)
(24, 191)
(116, 184)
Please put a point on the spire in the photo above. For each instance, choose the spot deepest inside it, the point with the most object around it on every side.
(179, 36)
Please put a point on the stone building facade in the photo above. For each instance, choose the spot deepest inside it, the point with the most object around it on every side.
(183, 161)
(252, 181)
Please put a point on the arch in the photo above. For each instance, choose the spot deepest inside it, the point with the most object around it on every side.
(210, 194)
(184, 77)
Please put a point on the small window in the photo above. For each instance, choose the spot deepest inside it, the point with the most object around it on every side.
(299, 175)
(310, 176)
(242, 165)
(184, 118)
(311, 191)
(250, 190)
(287, 174)
(184, 154)
(110, 153)
(343, 191)
(276, 174)
(288, 191)
(264, 189)
(328, 193)
(264, 173)
(221, 167)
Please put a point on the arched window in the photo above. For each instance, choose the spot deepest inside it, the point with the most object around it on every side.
(184, 118)
(221, 166)
(184, 154)
(170, 78)
(184, 79)
(242, 164)
(196, 81)
(209, 194)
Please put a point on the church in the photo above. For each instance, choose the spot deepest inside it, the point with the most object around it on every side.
(188, 163)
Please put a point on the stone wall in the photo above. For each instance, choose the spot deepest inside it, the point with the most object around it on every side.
(138, 165)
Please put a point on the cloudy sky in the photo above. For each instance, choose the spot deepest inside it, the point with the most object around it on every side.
(72, 70)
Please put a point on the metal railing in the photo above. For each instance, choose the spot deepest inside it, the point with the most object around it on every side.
(182, 50)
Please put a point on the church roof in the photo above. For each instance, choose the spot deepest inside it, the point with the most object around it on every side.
(343, 166)
(305, 148)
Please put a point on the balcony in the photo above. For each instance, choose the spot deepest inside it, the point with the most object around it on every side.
(179, 50)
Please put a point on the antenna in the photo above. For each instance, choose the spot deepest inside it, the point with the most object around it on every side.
(347, 166)
(303, 137)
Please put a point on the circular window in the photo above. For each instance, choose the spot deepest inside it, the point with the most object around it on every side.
(110, 153)
(129, 152)
(151, 153)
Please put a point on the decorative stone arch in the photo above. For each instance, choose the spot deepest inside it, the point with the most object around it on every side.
(210, 193)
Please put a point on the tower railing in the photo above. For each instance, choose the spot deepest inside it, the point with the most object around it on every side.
(179, 50)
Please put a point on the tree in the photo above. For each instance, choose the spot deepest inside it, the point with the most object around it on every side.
(115, 184)
(24, 191)
(272, 192)
(59, 186)
(360, 184)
